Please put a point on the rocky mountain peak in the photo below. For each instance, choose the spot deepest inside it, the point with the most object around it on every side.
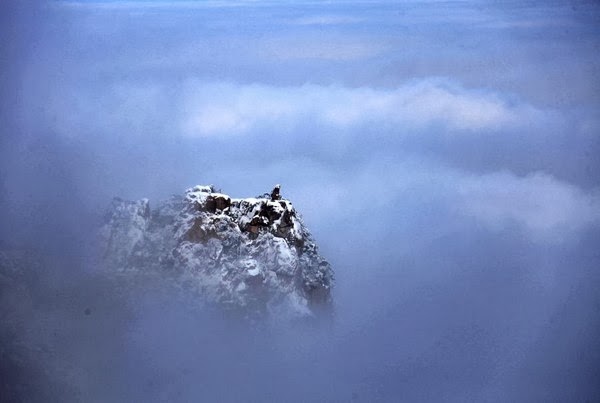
(252, 255)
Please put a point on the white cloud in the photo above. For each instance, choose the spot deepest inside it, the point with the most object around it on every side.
(223, 109)
(546, 207)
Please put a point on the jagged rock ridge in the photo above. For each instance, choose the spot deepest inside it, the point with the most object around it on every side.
(254, 254)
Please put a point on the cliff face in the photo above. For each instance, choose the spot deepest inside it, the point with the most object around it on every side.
(250, 255)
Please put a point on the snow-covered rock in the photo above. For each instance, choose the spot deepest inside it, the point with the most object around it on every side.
(251, 255)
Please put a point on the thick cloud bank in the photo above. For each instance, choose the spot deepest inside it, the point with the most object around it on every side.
(224, 109)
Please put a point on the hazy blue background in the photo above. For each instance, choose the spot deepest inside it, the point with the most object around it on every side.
(445, 156)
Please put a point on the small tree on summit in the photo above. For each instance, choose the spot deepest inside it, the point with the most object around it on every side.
(275, 193)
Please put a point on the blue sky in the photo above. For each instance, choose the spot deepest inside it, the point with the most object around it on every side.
(444, 154)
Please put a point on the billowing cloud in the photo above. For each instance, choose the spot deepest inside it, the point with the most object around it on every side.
(545, 207)
(222, 109)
